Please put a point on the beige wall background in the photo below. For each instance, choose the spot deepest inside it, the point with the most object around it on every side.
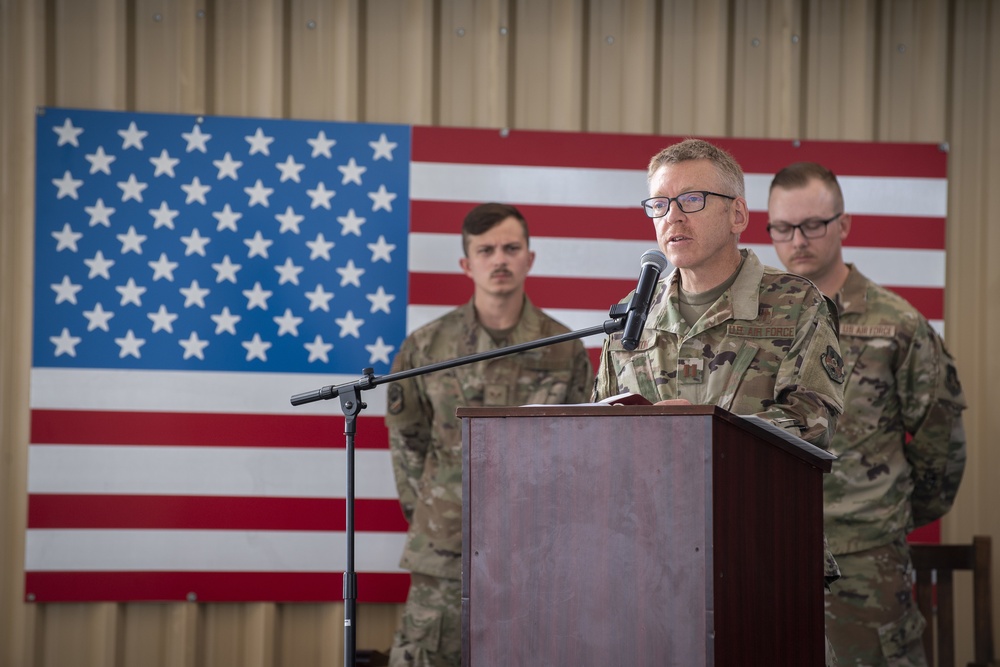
(871, 70)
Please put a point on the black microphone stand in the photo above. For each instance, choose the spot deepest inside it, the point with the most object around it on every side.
(351, 405)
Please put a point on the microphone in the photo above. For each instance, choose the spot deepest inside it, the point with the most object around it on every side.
(653, 262)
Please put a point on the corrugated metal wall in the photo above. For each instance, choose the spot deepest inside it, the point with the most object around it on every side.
(872, 70)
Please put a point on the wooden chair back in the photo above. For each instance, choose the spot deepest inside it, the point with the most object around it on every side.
(934, 565)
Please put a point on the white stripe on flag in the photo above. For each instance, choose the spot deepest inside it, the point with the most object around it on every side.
(207, 471)
(207, 550)
(610, 188)
(180, 391)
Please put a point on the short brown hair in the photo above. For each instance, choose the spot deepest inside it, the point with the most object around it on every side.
(485, 217)
(799, 174)
(698, 149)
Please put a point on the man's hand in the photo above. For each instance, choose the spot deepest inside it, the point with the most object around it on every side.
(674, 401)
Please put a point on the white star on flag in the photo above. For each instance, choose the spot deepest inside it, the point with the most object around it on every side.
(195, 243)
(290, 169)
(227, 218)
(288, 323)
(67, 238)
(99, 266)
(259, 194)
(381, 250)
(257, 297)
(66, 290)
(132, 137)
(130, 345)
(380, 300)
(318, 350)
(226, 270)
(349, 325)
(350, 274)
(319, 299)
(162, 320)
(67, 186)
(256, 348)
(259, 142)
(321, 145)
(164, 164)
(321, 196)
(68, 134)
(131, 241)
(98, 318)
(99, 213)
(163, 268)
(65, 343)
(258, 245)
(193, 346)
(225, 322)
(131, 189)
(194, 294)
(320, 247)
(131, 292)
(196, 140)
(288, 272)
(351, 223)
(163, 216)
(196, 191)
(227, 167)
(100, 161)
(383, 148)
(382, 200)
(352, 172)
(289, 221)
(379, 351)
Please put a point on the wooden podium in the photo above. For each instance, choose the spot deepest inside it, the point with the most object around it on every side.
(639, 535)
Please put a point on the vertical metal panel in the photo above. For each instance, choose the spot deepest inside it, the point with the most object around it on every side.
(840, 89)
(398, 55)
(621, 66)
(693, 62)
(168, 70)
(323, 68)
(247, 51)
(767, 68)
(548, 65)
(89, 53)
(474, 63)
(913, 62)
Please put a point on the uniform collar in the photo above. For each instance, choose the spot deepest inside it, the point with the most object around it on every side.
(853, 296)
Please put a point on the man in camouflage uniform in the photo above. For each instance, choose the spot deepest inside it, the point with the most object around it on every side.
(723, 329)
(901, 383)
(426, 438)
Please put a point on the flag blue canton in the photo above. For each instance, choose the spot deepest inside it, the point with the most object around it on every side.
(217, 243)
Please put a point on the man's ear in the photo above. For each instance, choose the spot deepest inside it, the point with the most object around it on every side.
(845, 225)
(463, 263)
(741, 215)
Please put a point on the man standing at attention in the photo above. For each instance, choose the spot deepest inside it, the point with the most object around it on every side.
(426, 438)
(900, 443)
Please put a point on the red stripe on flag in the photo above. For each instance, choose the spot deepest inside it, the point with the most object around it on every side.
(211, 586)
(448, 289)
(633, 151)
(870, 231)
(437, 217)
(202, 429)
(53, 511)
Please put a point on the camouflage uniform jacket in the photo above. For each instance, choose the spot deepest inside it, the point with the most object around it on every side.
(425, 437)
(901, 382)
(767, 346)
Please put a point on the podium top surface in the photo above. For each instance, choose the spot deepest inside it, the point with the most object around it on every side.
(760, 428)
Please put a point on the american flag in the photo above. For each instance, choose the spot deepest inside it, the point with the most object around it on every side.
(193, 273)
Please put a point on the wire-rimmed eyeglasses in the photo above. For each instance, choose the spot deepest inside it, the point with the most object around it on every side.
(811, 229)
(688, 202)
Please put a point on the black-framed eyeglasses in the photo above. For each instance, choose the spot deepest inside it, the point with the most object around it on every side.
(811, 229)
(688, 202)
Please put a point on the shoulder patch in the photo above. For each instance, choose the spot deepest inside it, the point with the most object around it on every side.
(394, 399)
(833, 364)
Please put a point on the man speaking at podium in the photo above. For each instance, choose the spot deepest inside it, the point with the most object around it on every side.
(723, 329)
(425, 437)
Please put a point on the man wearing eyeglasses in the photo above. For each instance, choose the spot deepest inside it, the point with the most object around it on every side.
(900, 443)
(723, 329)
